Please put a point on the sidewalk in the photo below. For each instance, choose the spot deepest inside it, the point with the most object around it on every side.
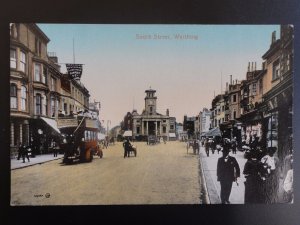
(209, 168)
(39, 159)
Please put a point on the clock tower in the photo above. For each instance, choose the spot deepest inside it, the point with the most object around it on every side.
(150, 102)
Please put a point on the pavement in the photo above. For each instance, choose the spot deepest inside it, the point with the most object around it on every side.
(209, 170)
(38, 159)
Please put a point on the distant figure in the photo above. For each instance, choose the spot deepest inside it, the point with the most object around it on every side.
(228, 171)
(196, 147)
(55, 148)
(25, 153)
(127, 146)
(234, 145)
(206, 145)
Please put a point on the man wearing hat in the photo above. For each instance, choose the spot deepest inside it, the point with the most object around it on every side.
(228, 171)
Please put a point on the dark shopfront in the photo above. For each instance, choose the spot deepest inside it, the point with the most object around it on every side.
(279, 116)
(41, 135)
(232, 129)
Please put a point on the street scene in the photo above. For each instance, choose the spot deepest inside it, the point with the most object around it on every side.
(159, 174)
(158, 114)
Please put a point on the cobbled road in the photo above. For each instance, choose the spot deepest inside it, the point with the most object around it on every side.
(160, 174)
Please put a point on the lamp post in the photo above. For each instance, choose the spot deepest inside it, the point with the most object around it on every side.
(107, 122)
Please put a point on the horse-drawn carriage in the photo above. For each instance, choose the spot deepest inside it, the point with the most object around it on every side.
(152, 140)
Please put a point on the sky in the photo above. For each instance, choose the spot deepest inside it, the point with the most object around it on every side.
(122, 61)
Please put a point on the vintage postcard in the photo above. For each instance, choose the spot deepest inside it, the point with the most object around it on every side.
(104, 114)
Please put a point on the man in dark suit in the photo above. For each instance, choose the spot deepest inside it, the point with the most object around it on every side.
(127, 145)
(228, 171)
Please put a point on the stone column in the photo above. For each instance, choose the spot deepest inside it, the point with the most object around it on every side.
(156, 128)
(147, 127)
(142, 126)
(21, 133)
(160, 128)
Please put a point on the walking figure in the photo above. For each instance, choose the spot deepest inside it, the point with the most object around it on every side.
(206, 145)
(127, 146)
(234, 145)
(25, 153)
(196, 147)
(228, 171)
(55, 148)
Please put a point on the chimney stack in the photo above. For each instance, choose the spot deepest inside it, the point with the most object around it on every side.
(230, 79)
(227, 86)
(273, 37)
(167, 112)
(248, 66)
(252, 67)
(255, 66)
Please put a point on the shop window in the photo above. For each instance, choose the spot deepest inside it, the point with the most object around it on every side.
(22, 61)
(13, 96)
(23, 98)
(13, 59)
(164, 129)
(138, 130)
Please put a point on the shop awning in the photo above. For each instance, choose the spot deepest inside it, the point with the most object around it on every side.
(172, 135)
(101, 136)
(213, 132)
(127, 133)
(52, 123)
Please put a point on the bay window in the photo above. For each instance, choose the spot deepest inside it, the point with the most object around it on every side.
(22, 61)
(13, 59)
(13, 96)
(37, 72)
(38, 104)
(23, 98)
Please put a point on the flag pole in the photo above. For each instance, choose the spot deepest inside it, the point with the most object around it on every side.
(73, 52)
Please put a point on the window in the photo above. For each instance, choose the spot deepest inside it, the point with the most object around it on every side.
(261, 86)
(23, 98)
(52, 107)
(40, 48)
(138, 130)
(45, 105)
(172, 127)
(276, 70)
(13, 96)
(37, 72)
(53, 84)
(254, 88)
(44, 76)
(150, 108)
(164, 129)
(13, 59)
(38, 104)
(234, 98)
(234, 114)
(23, 62)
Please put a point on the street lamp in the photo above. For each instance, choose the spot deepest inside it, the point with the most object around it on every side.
(107, 122)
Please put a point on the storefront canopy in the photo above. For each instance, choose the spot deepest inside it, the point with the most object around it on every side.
(127, 133)
(172, 135)
(213, 133)
(52, 123)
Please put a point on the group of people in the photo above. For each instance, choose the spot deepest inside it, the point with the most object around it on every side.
(262, 173)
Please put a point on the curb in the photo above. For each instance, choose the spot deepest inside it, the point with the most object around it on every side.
(206, 194)
(36, 163)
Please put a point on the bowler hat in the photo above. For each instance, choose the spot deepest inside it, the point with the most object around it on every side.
(271, 149)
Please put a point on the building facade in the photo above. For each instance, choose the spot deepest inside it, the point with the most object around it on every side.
(150, 122)
(38, 91)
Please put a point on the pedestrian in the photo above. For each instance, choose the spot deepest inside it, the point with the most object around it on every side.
(25, 153)
(252, 171)
(206, 145)
(20, 151)
(288, 186)
(228, 171)
(55, 148)
(213, 145)
(234, 145)
(127, 145)
(196, 147)
(271, 185)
